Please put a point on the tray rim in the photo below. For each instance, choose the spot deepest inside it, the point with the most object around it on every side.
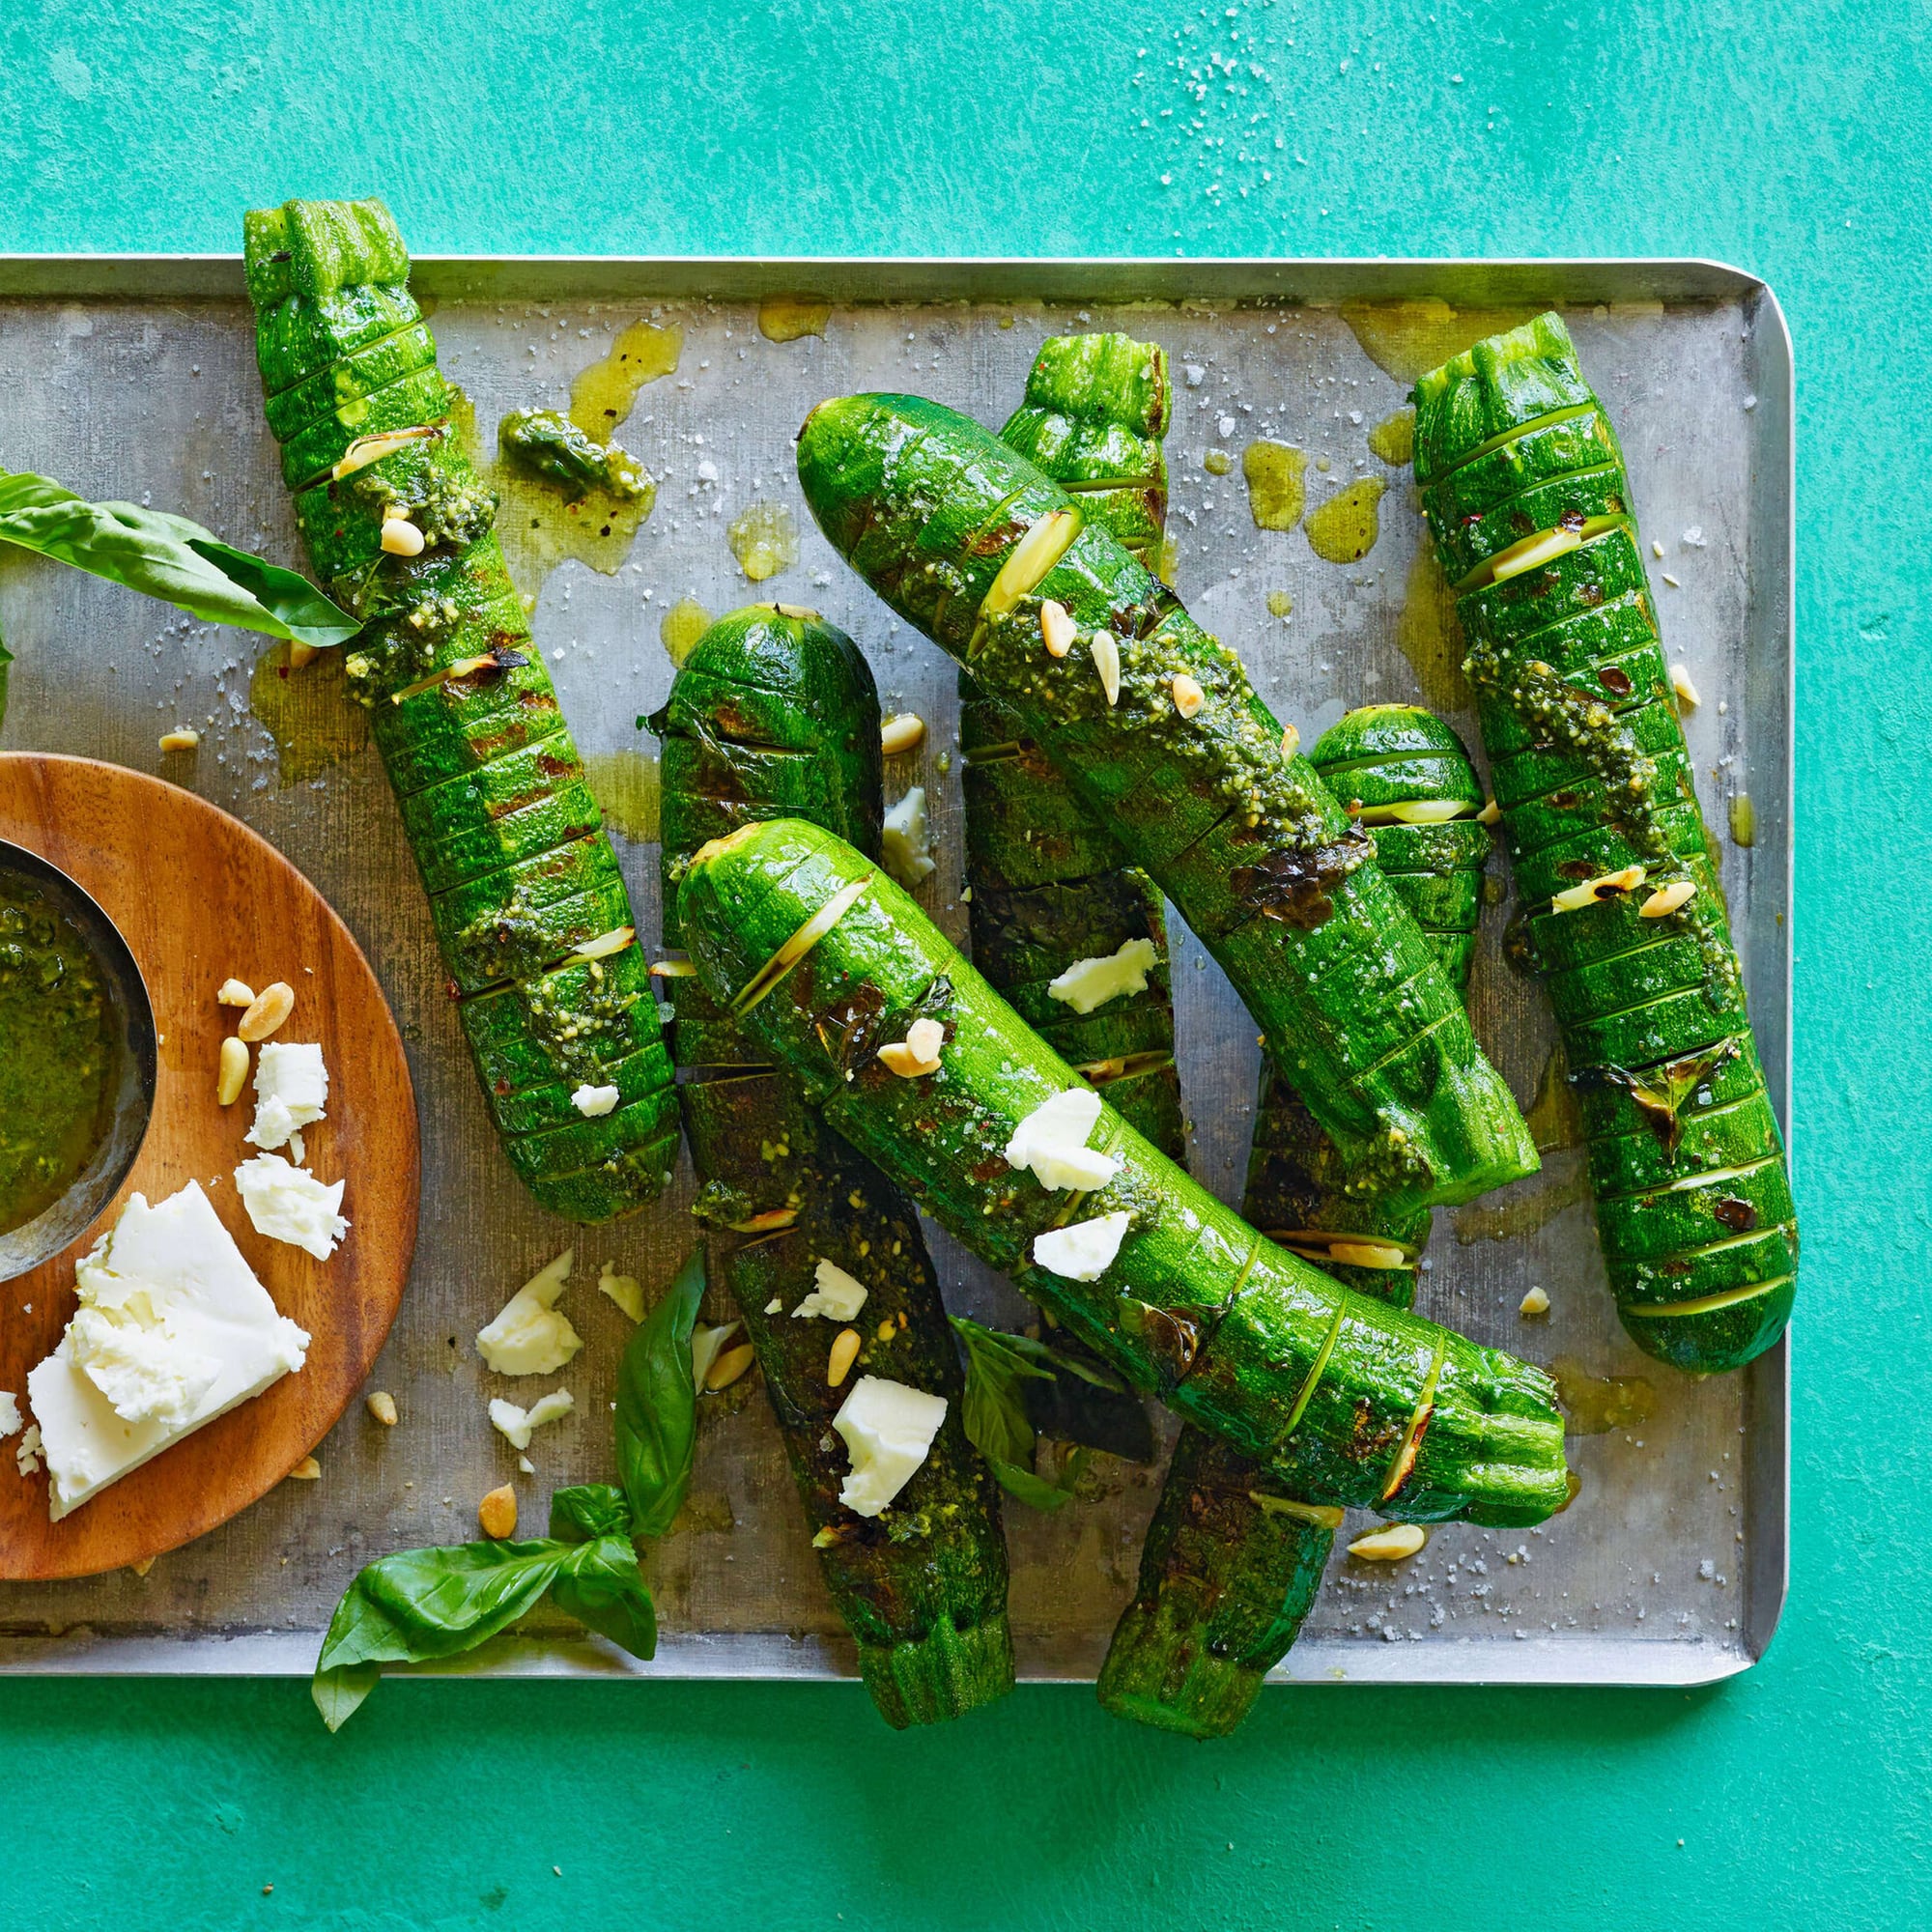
(1315, 281)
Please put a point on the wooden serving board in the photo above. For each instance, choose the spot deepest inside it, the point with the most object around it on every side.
(199, 897)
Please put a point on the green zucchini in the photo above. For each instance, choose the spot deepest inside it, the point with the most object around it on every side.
(528, 905)
(969, 542)
(824, 961)
(1526, 494)
(1234, 1555)
(774, 703)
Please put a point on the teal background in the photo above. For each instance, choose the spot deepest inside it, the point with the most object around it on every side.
(1795, 1796)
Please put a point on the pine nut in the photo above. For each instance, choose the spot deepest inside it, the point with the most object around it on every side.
(1666, 900)
(1106, 650)
(299, 653)
(729, 1366)
(1680, 682)
(1535, 1302)
(900, 732)
(401, 537)
(307, 1470)
(1491, 815)
(271, 1006)
(1056, 628)
(1390, 1544)
(234, 993)
(926, 1038)
(498, 1513)
(844, 1352)
(1188, 696)
(231, 1071)
(1593, 890)
(1290, 740)
(183, 738)
(382, 1407)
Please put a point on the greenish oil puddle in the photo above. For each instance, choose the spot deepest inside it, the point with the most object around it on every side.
(1594, 1404)
(1743, 820)
(625, 785)
(1406, 339)
(680, 628)
(1166, 561)
(308, 713)
(787, 318)
(1280, 603)
(1345, 528)
(764, 539)
(1523, 1216)
(1217, 462)
(1554, 1118)
(1276, 492)
(1393, 439)
(602, 395)
(1429, 635)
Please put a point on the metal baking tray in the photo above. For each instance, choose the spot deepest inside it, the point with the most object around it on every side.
(135, 377)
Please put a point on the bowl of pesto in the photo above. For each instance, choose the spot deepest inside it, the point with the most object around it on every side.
(76, 1060)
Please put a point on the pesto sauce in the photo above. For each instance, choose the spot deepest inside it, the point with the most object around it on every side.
(548, 444)
(59, 1054)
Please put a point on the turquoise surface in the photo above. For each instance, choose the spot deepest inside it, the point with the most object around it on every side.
(1795, 1796)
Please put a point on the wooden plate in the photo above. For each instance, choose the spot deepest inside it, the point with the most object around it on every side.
(198, 896)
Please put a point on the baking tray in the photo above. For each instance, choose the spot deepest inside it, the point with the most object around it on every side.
(135, 377)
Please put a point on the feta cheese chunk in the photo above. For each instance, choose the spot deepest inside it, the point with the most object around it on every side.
(594, 1102)
(528, 1336)
(288, 1204)
(27, 1456)
(625, 1290)
(888, 1430)
(835, 1295)
(165, 1293)
(1052, 1141)
(9, 1415)
(903, 842)
(516, 1425)
(291, 1091)
(1091, 982)
(1083, 1251)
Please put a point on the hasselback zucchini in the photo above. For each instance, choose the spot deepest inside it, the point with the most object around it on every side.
(1234, 1555)
(827, 965)
(1157, 727)
(1524, 490)
(528, 905)
(775, 713)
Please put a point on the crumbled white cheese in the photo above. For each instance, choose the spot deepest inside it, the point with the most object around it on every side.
(775, 1306)
(528, 1336)
(9, 1415)
(1085, 1251)
(1052, 1141)
(288, 1204)
(27, 1452)
(903, 842)
(517, 1424)
(835, 1295)
(291, 1091)
(625, 1290)
(524, 1463)
(174, 1330)
(1091, 982)
(707, 1345)
(593, 1102)
(888, 1430)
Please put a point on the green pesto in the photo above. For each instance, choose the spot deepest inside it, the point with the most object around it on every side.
(59, 1054)
(549, 445)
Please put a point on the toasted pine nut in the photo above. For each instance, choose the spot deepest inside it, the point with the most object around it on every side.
(1535, 1302)
(900, 732)
(844, 1352)
(1106, 650)
(231, 1072)
(498, 1513)
(1389, 1543)
(899, 1058)
(1608, 886)
(401, 537)
(142, 1568)
(1687, 692)
(234, 993)
(382, 1407)
(1290, 740)
(1188, 695)
(1666, 900)
(729, 1366)
(183, 738)
(307, 1470)
(1056, 628)
(299, 653)
(271, 1006)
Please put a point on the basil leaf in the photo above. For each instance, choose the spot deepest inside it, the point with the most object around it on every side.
(601, 1587)
(587, 1511)
(657, 1406)
(169, 557)
(338, 1693)
(1025, 1486)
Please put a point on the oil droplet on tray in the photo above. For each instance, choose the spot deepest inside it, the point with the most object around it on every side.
(1523, 1216)
(1276, 494)
(1345, 528)
(1280, 603)
(625, 787)
(680, 628)
(1217, 462)
(1429, 636)
(1595, 1404)
(764, 539)
(601, 396)
(1408, 339)
(1393, 439)
(1743, 820)
(308, 713)
(1166, 561)
(1554, 1118)
(786, 318)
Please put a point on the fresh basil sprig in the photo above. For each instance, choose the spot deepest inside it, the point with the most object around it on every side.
(419, 1604)
(169, 557)
(1002, 1371)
